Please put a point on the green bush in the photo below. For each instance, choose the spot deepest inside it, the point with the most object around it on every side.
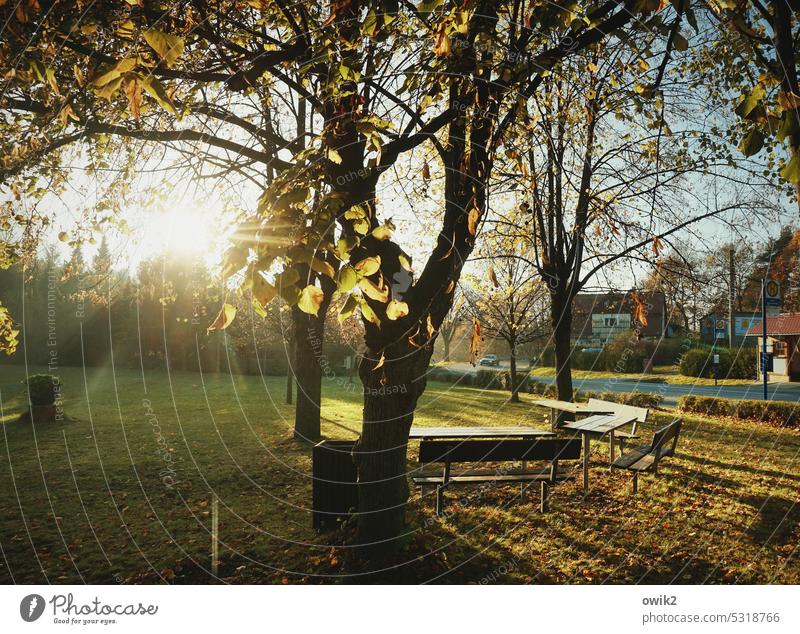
(781, 413)
(698, 362)
(43, 388)
(635, 399)
(624, 354)
(585, 361)
(668, 351)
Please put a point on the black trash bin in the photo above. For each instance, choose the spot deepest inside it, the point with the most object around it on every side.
(334, 489)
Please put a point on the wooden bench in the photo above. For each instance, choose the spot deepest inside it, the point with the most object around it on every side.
(645, 458)
(620, 408)
(448, 452)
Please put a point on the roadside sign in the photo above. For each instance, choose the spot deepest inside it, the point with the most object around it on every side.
(720, 328)
(716, 359)
(772, 293)
(766, 360)
(772, 298)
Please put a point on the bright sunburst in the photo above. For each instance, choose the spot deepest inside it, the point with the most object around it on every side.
(186, 229)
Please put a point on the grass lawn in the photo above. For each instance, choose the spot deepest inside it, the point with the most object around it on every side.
(85, 500)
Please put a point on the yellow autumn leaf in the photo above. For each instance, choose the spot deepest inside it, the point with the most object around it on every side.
(133, 91)
(169, 47)
(472, 220)
(369, 314)
(373, 291)
(442, 47)
(492, 276)
(322, 267)
(310, 299)
(369, 265)
(263, 291)
(348, 278)
(396, 310)
(224, 318)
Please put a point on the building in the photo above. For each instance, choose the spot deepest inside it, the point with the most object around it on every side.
(716, 325)
(783, 341)
(599, 317)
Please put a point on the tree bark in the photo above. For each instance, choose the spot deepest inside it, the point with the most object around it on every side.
(309, 335)
(390, 398)
(290, 373)
(513, 362)
(561, 319)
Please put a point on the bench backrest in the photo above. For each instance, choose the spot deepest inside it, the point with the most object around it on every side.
(549, 449)
(665, 440)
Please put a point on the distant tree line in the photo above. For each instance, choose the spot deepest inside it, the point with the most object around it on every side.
(87, 313)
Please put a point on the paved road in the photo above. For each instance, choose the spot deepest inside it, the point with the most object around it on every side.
(670, 392)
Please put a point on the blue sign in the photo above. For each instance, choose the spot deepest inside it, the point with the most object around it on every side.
(767, 360)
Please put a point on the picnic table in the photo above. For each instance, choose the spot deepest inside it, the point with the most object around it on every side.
(599, 424)
(586, 409)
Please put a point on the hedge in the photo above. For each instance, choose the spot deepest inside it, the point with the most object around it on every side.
(501, 380)
(697, 362)
(781, 413)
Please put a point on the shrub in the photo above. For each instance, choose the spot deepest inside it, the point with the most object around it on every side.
(636, 399)
(624, 353)
(781, 413)
(43, 388)
(585, 361)
(694, 362)
(669, 351)
(487, 379)
(698, 362)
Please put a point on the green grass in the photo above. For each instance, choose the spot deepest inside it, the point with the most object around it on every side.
(84, 500)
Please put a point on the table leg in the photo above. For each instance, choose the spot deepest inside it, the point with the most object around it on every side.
(586, 463)
(611, 444)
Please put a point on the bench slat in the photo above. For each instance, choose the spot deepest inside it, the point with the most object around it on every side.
(522, 477)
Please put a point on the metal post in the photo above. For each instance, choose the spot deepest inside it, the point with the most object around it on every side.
(764, 335)
(215, 535)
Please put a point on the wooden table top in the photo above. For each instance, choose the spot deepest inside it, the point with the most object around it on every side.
(600, 424)
(476, 432)
(574, 408)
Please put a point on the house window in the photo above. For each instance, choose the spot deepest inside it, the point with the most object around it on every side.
(779, 349)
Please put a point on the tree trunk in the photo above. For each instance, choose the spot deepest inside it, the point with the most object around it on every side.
(514, 383)
(309, 335)
(446, 343)
(290, 373)
(390, 398)
(561, 319)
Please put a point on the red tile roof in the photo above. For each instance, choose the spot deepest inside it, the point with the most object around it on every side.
(783, 324)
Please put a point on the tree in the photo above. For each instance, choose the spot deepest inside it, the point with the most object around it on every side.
(602, 160)
(511, 306)
(455, 318)
(681, 279)
(762, 37)
(138, 67)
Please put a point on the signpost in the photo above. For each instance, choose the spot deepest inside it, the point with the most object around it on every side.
(719, 333)
(770, 307)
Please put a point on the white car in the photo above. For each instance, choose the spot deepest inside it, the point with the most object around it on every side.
(489, 359)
